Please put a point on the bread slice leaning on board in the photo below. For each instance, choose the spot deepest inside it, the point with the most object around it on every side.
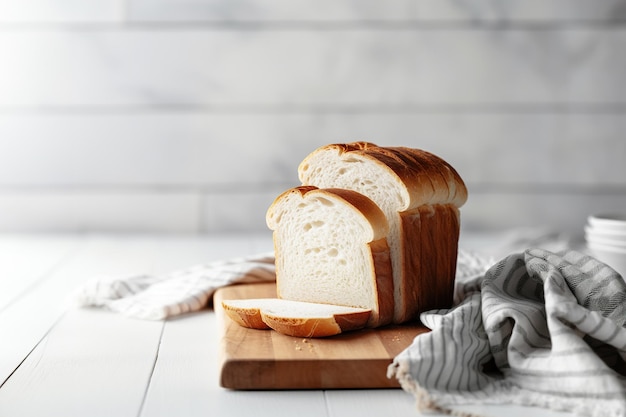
(420, 195)
(332, 258)
(397, 263)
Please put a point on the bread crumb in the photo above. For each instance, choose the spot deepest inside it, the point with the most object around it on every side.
(307, 342)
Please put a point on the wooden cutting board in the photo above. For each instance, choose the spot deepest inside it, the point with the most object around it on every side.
(264, 359)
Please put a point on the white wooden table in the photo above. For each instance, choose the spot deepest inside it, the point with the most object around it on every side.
(57, 360)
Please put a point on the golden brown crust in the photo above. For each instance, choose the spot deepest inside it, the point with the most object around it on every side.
(353, 146)
(430, 243)
(256, 317)
(450, 178)
(310, 327)
(354, 321)
(412, 241)
(246, 317)
(317, 327)
(381, 263)
(427, 178)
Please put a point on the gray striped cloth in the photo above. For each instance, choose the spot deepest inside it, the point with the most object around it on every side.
(157, 297)
(538, 328)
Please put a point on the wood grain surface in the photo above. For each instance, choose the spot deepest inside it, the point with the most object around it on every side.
(264, 359)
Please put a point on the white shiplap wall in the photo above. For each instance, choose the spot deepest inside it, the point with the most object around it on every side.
(191, 116)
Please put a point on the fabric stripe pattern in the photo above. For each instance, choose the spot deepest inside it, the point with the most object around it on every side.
(553, 324)
(179, 292)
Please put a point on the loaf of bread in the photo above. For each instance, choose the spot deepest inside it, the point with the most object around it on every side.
(372, 229)
(420, 195)
(296, 318)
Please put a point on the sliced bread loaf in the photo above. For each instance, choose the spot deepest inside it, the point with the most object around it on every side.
(331, 248)
(296, 318)
(420, 195)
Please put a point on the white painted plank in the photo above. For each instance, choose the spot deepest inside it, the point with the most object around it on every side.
(91, 363)
(96, 210)
(96, 362)
(262, 242)
(239, 211)
(553, 210)
(400, 403)
(513, 164)
(520, 11)
(228, 68)
(231, 151)
(27, 319)
(267, 11)
(61, 11)
(485, 210)
(25, 259)
(270, 403)
(394, 402)
(185, 380)
(357, 11)
(220, 172)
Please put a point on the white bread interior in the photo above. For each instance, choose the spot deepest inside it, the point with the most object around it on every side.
(420, 195)
(331, 248)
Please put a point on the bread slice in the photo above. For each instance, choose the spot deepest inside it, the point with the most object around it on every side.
(296, 318)
(420, 195)
(247, 312)
(331, 248)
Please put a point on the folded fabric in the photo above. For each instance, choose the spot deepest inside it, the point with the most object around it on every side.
(183, 291)
(157, 297)
(538, 328)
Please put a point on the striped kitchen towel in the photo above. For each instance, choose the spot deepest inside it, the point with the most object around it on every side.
(156, 297)
(538, 328)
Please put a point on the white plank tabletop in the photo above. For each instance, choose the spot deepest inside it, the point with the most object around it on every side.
(59, 360)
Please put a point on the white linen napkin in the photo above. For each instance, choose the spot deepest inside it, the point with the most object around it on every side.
(538, 328)
(157, 297)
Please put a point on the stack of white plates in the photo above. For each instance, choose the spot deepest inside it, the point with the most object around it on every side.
(606, 240)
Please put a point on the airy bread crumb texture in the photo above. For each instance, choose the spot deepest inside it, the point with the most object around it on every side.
(321, 239)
